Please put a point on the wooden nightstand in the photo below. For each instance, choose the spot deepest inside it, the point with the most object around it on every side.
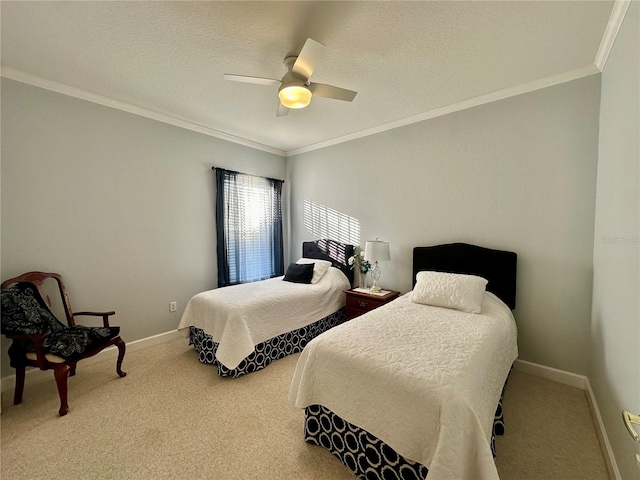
(359, 302)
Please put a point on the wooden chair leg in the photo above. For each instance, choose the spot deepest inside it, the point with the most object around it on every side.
(72, 370)
(17, 396)
(121, 349)
(61, 373)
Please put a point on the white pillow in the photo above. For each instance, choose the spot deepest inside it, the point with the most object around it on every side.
(320, 267)
(449, 290)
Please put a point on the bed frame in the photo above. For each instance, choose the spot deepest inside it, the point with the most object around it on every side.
(365, 454)
(287, 343)
(335, 252)
(497, 266)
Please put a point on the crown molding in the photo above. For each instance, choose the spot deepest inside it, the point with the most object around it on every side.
(46, 84)
(456, 107)
(178, 122)
(611, 32)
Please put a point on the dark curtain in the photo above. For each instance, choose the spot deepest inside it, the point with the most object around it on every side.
(223, 264)
(249, 227)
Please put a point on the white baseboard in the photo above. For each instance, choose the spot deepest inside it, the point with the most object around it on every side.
(607, 451)
(34, 374)
(581, 382)
(553, 374)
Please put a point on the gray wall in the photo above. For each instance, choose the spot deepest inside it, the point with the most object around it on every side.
(614, 369)
(518, 174)
(120, 205)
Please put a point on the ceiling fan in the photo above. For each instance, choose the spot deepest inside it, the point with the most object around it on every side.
(294, 89)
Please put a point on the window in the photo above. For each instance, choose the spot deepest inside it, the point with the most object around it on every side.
(249, 227)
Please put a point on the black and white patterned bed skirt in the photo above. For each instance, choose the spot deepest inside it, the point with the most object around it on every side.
(265, 352)
(363, 453)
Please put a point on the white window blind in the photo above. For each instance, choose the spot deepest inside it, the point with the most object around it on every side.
(253, 227)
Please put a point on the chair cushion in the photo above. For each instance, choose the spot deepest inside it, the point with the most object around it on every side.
(24, 311)
(51, 358)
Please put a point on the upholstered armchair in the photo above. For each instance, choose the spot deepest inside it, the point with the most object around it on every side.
(41, 340)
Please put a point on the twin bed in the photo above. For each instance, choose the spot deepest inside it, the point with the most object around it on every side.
(243, 328)
(409, 389)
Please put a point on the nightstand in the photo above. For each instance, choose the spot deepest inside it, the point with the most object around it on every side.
(360, 302)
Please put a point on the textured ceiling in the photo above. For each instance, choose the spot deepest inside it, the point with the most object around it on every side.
(403, 58)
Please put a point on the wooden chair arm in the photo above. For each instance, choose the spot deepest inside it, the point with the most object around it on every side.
(38, 341)
(105, 316)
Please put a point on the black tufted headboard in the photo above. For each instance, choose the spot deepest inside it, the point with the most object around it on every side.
(497, 266)
(335, 252)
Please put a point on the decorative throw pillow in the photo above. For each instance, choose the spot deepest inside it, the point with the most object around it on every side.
(24, 311)
(449, 290)
(299, 273)
(320, 267)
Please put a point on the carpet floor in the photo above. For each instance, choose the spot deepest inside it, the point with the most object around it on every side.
(172, 417)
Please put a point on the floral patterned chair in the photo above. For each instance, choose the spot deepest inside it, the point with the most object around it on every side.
(41, 340)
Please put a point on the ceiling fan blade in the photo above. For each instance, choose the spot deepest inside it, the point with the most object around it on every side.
(329, 91)
(282, 111)
(307, 58)
(246, 79)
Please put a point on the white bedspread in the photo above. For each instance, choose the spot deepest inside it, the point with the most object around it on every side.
(239, 317)
(425, 380)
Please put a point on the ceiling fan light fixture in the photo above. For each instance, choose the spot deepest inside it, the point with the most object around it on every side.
(294, 95)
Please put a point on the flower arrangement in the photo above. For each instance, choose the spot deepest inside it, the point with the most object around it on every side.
(358, 261)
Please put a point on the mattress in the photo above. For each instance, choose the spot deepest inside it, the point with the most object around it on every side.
(425, 380)
(239, 317)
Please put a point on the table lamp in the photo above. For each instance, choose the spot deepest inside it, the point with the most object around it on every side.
(376, 251)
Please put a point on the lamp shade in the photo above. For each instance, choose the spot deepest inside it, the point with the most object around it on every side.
(376, 251)
(294, 95)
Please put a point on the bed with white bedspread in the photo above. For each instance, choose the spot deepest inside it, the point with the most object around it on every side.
(411, 389)
(242, 328)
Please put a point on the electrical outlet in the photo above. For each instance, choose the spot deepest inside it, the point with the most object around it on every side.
(173, 306)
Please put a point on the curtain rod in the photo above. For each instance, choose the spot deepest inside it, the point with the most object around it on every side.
(213, 168)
